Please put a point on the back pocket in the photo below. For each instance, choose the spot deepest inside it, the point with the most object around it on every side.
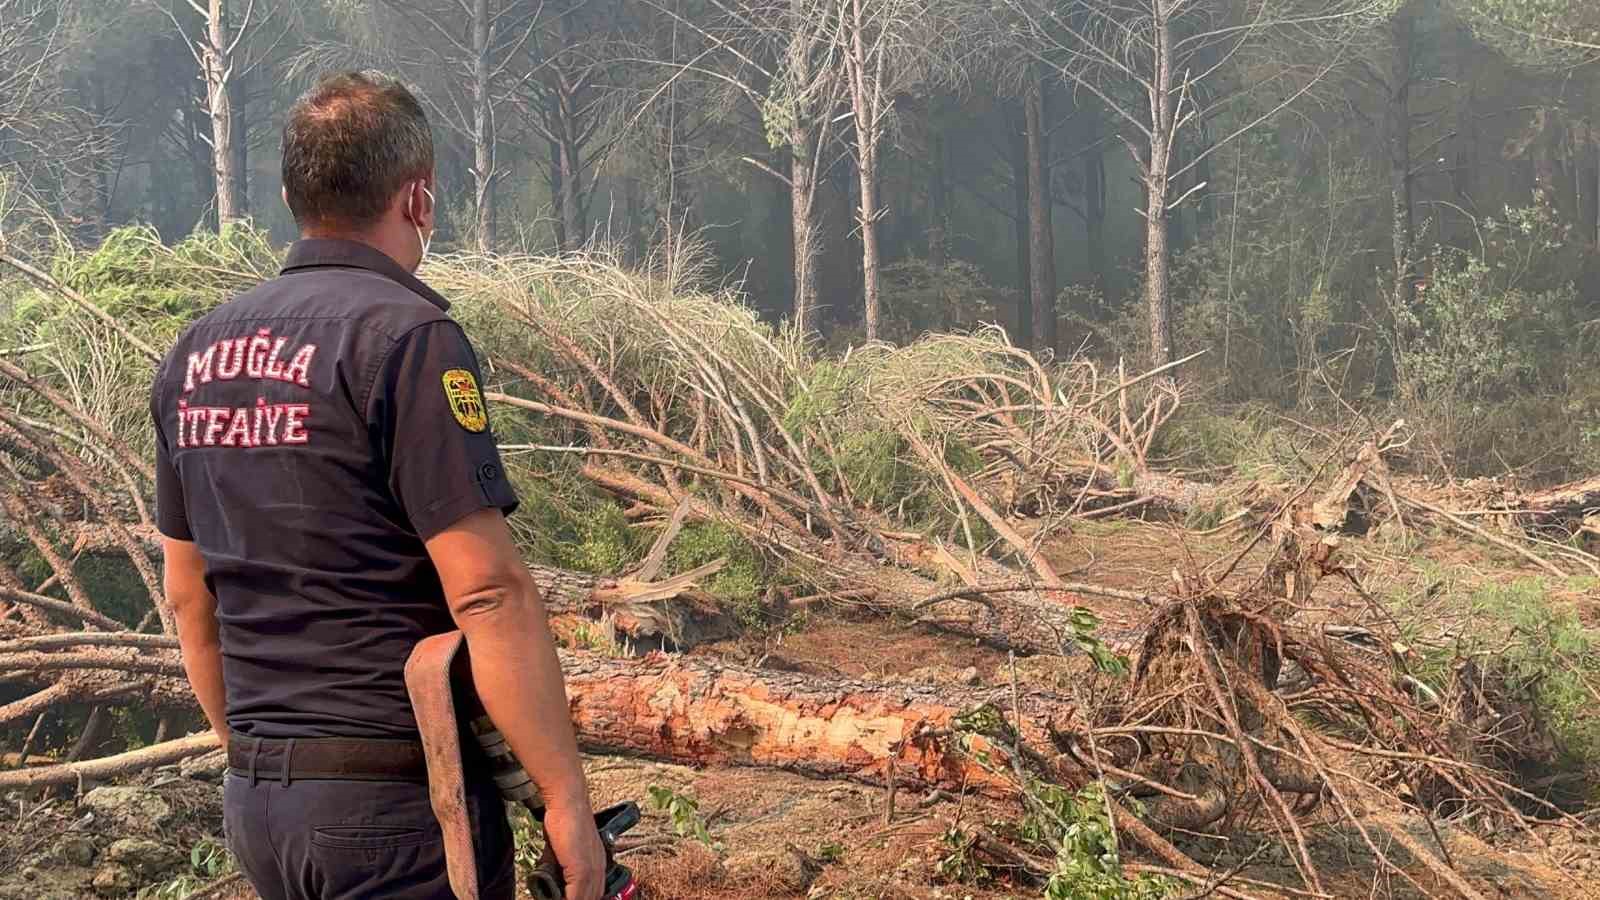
(370, 837)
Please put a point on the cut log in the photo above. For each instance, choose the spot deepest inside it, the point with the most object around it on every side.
(696, 712)
(110, 766)
(1571, 506)
(700, 713)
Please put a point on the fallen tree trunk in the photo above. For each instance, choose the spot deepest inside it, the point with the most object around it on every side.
(1570, 507)
(111, 766)
(697, 712)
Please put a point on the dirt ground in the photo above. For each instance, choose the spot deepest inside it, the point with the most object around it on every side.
(777, 835)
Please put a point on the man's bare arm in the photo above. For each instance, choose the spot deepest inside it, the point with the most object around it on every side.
(196, 613)
(518, 677)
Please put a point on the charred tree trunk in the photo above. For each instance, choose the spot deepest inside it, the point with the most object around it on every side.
(1094, 201)
(482, 130)
(1397, 122)
(558, 224)
(572, 194)
(1020, 195)
(807, 236)
(218, 66)
(1157, 177)
(938, 216)
(198, 151)
(571, 151)
(94, 731)
(238, 88)
(1041, 226)
(866, 102)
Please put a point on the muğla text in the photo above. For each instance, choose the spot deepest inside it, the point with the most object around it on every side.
(259, 357)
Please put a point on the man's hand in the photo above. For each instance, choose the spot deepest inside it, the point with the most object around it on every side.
(195, 611)
(518, 677)
(575, 841)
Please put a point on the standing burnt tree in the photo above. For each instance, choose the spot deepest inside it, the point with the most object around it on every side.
(223, 40)
(567, 98)
(781, 57)
(28, 45)
(1149, 62)
(884, 47)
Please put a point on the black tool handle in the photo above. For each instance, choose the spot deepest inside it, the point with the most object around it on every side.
(547, 881)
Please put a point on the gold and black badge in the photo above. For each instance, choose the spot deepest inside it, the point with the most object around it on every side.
(466, 401)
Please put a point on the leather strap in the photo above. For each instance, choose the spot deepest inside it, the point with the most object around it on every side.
(428, 681)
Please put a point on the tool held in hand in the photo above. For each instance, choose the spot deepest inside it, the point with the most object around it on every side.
(446, 706)
(546, 881)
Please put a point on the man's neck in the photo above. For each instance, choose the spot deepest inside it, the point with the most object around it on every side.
(402, 248)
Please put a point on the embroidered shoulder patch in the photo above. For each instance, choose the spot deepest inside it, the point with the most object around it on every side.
(466, 401)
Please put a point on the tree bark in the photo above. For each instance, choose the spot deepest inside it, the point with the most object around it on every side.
(1020, 194)
(558, 224)
(1157, 267)
(868, 222)
(702, 713)
(570, 157)
(938, 190)
(1094, 201)
(1157, 176)
(219, 105)
(482, 130)
(238, 102)
(197, 121)
(866, 103)
(1041, 226)
(803, 223)
(571, 194)
(1397, 121)
(698, 712)
(93, 733)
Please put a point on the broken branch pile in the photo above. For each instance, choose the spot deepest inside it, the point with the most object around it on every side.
(894, 478)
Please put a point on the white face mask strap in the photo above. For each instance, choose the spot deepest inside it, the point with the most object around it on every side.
(418, 226)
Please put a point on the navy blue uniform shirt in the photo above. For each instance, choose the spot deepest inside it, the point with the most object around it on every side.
(311, 434)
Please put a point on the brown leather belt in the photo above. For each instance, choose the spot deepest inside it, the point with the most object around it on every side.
(353, 759)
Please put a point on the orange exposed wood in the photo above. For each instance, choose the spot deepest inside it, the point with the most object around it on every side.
(700, 713)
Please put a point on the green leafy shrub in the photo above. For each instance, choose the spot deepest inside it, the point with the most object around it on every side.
(1535, 645)
(919, 298)
(1088, 862)
(684, 811)
(740, 581)
(1484, 329)
(1548, 652)
(602, 543)
(209, 860)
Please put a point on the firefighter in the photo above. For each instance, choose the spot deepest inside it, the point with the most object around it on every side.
(329, 493)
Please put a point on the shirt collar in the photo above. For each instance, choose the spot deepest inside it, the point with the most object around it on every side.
(312, 253)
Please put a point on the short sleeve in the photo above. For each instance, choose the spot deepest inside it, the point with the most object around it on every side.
(429, 412)
(172, 518)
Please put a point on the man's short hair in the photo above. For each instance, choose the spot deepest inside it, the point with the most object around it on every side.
(350, 143)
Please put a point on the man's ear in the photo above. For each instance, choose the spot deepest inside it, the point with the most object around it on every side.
(428, 193)
(416, 203)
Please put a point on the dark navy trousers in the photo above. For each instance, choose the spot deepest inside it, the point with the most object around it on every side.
(358, 840)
